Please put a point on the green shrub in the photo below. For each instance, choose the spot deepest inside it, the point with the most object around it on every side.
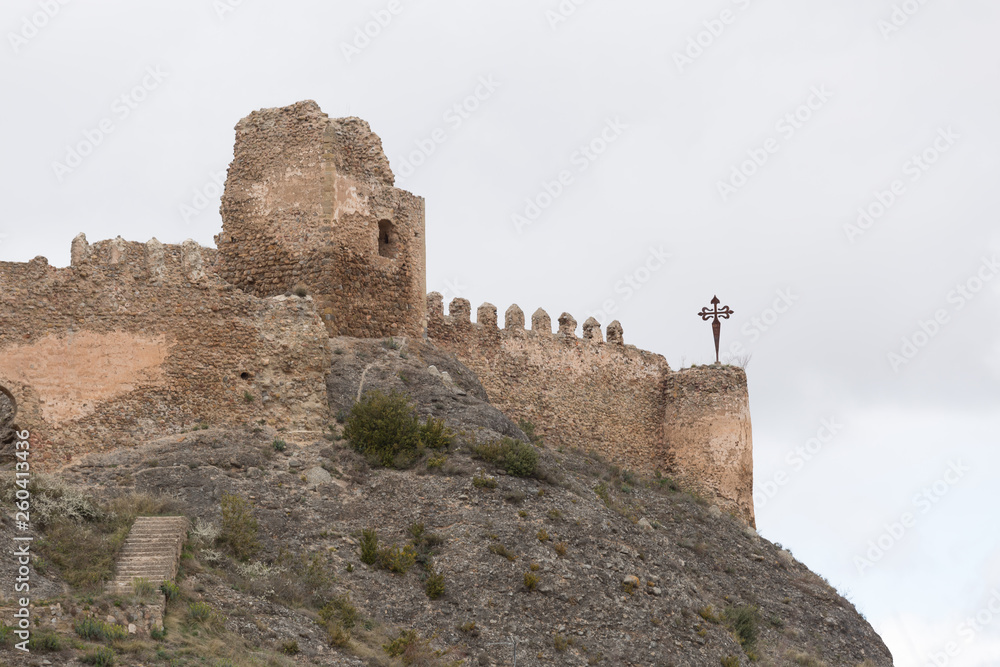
(530, 581)
(239, 527)
(435, 435)
(143, 587)
(602, 492)
(158, 634)
(339, 616)
(279, 445)
(483, 481)
(417, 531)
(730, 661)
(339, 610)
(44, 641)
(708, 614)
(384, 428)
(202, 614)
(6, 634)
(435, 586)
(391, 557)
(170, 590)
(369, 546)
(395, 559)
(743, 622)
(501, 550)
(199, 611)
(89, 627)
(515, 457)
(102, 657)
(338, 636)
(95, 629)
(290, 647)
(401, 644)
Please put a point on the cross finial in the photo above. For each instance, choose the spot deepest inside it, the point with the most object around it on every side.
(714, 314)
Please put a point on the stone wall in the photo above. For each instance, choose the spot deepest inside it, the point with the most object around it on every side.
(578, 392)
(603, 395)
(706, 431)
(134, 340)
(309, 202)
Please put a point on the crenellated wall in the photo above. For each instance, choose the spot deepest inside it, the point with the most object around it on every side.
(138, 339)
(592, 393)
(310, 202)
(579, 392)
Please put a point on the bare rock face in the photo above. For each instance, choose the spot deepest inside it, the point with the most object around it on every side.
(439, 384)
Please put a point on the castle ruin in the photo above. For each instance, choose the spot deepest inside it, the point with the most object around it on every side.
(134, 340)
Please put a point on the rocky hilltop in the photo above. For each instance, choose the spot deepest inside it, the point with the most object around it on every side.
(303, 551)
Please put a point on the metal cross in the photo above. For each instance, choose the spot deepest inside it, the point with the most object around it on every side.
(716, 313)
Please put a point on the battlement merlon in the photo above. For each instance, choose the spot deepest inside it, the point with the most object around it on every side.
(155, 262)
(458, 322)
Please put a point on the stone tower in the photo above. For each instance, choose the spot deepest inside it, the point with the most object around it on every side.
(310, 203)
(707, 436)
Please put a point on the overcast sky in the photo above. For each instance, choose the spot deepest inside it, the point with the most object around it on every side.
(829, 170)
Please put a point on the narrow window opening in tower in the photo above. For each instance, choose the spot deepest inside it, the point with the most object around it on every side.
(386, 239)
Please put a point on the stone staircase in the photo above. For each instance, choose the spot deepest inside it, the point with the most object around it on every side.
(152, 551)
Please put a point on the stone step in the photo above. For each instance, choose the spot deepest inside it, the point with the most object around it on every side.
(151, 551)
